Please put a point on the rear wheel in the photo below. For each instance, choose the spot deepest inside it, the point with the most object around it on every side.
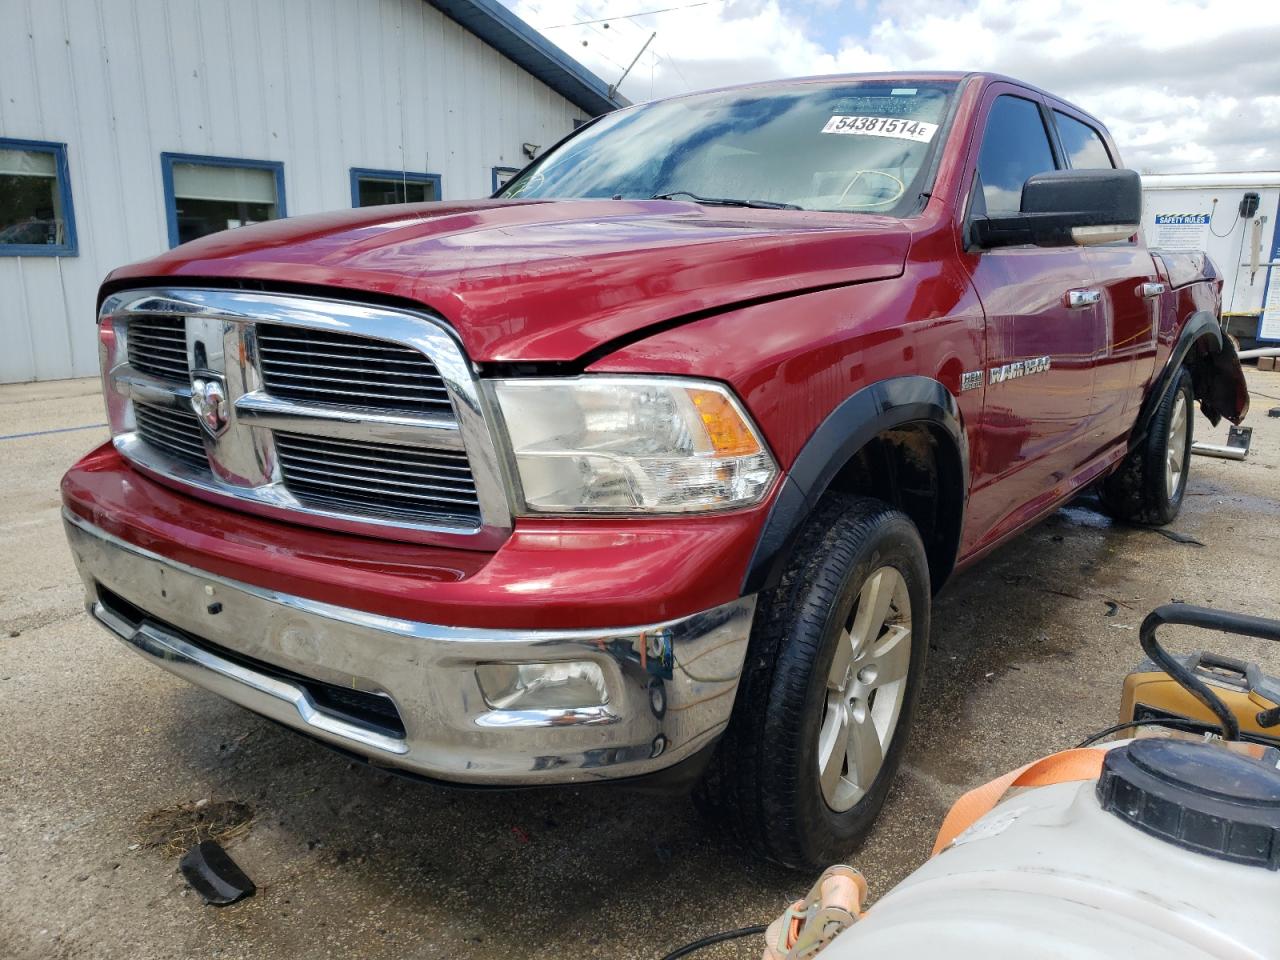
(1151, 482)
(1177, 449)
(822, 714)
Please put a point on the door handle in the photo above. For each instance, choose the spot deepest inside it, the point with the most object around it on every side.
(1149, 290)
(1082, 298)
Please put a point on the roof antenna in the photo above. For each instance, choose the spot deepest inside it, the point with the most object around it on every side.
(613, 87)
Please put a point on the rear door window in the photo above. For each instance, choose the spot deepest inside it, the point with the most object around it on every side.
(1015, 146)
(1084, 146)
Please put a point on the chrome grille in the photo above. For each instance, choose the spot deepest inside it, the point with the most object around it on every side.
(379, 478)
(174, 432)
(158, 346)
(342, 415)
(317, 366)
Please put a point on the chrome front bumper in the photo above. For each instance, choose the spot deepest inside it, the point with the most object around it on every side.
(670, 686)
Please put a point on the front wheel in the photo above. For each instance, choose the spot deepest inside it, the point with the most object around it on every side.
(1151, 482)
(829, 689)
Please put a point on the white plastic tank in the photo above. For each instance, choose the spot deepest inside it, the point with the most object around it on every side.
(1174, 853)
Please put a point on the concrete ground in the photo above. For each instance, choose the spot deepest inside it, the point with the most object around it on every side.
(351, 862)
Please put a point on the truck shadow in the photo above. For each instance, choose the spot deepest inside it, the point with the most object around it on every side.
(585, 870)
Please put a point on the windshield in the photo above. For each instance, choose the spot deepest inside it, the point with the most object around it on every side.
(858, 146)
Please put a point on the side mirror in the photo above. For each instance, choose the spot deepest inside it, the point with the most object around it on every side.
(1063, 207)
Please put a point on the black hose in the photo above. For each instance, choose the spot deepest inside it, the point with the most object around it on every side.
(689, 948)
(1177, 723)
(1192, 616)
(1223, 236)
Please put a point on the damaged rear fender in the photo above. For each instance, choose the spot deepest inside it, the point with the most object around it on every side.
(1216, 375)
(1219, 382)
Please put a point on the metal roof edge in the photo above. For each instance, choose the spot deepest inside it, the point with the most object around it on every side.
(517, 41)
(1223, 179)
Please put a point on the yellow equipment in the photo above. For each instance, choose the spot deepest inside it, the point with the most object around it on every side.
(1204, 690)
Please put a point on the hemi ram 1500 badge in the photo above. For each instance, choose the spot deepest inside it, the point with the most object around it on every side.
(1019, 368)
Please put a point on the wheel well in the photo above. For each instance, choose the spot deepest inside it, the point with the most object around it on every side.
(1214, 382)
(1199, 361)
(916, 468)
(1216, 377)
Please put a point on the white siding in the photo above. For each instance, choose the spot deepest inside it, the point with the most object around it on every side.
(321, 85)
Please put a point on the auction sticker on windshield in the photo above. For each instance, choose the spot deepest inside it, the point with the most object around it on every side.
(902, 129)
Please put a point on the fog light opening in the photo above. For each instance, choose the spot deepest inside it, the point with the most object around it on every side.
(657, 698)
(562, 685)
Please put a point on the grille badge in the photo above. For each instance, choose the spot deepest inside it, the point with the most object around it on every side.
(209, 401)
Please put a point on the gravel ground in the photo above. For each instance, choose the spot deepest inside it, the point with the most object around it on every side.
(97, 747)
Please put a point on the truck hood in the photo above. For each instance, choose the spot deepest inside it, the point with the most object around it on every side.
(548, 280)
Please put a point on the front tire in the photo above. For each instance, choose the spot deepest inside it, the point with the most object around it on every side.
(829, 689)
(1151, 482)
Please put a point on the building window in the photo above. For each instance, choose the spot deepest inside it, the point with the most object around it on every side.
(36, 218)
(502, 176)
(372, 188)
(204, 195)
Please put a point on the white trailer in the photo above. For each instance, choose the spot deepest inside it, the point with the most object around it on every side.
(1233, 217)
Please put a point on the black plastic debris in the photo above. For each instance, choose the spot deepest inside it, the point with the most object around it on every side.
(1177, 537)
(214, 875)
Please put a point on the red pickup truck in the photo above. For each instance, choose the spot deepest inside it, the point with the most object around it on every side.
(650, 465)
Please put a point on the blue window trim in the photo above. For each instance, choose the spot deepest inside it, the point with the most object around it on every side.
(1273, 276)
(498, 171)
(72, 247)
(167, 160)
(374, 174)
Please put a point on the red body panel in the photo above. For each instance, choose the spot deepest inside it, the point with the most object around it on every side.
(1130, 326)
(549, 574)
(544, 281)
(794, 360)
(796, 311)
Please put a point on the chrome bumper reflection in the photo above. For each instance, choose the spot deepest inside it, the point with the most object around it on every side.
(670, 685)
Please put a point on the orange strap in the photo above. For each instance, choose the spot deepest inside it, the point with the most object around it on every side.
(1079, 764)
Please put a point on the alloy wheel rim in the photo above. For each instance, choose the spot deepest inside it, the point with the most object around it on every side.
(1176, 448)
(865, 689)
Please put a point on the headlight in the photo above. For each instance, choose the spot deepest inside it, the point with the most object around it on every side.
(602, 444)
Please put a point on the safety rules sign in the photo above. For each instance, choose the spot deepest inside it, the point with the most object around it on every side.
(1180, 232)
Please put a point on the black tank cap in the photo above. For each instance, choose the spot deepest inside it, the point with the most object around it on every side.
(1198, 796)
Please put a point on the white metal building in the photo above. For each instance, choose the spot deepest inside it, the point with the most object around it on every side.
(127, 126)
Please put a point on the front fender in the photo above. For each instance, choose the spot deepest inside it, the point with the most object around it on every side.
(856, 421)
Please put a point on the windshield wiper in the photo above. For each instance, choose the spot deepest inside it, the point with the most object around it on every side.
(726, 201)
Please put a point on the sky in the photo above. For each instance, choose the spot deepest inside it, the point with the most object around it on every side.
(1183, 85)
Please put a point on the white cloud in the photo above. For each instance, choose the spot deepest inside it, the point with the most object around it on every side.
(1182, 84)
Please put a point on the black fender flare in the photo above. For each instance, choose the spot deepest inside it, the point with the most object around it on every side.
(856, 421)
(1198, 326)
